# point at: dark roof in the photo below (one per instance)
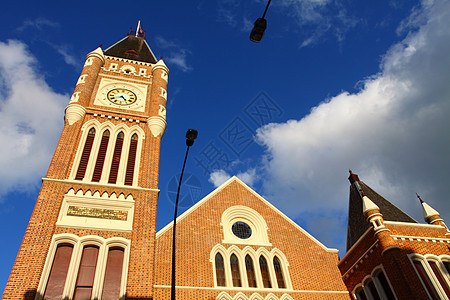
(357, 223)
(134, 48)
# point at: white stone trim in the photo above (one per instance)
(255, 255)
(78, 244)
(74, 112)
(423, 259)
(229, 181)
(107, 84)
(409, 224)
(157, 125)
(82, 79)
(102, 185)
(114, 131)
(360, 260)
(75, 97)
(251, 217)
(160, 286)
(374, 278)
(96, 201)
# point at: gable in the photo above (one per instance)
(234, 192)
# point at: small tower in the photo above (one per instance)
(430, 215)
(96, 210)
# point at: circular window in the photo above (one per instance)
(241, 230)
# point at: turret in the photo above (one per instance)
(430, 215)
(157, 121)
(76, 109)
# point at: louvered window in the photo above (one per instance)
(85, 155)
(250, 271)
(116, 159)
(235, 275)
(264, 272)
(113, 274)
(278, 272)
(131, 160)
(220, 270)
(101, 157)
(86, 273)
(58, 272)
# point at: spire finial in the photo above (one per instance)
(353, 177)
(420, 199)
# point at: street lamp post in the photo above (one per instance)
(259, 27)
(191, 135)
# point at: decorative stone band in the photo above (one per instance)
(157, 125)
(74, 113)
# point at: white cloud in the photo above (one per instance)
(218, 177)
(249, 176)
(30, 119)
(177, 55)
(38, 23)
(393, 132)
(68, 58)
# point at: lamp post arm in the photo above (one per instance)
(267, 6)
(175, 226)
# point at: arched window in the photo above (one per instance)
(131, 160)
(250, 271)
(381, 278)
(116, 158)
(278, 273)
(85, 154)
(113, 274)
(86, 273)
(58, 272)
(220, 270)
(235, 275)
(372, 289)
(101, 157)
(360, 295)
(426, 280)
(437, 272)
(264, 272)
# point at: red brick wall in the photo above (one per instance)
(310, 266)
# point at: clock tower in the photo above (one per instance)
(92, 231)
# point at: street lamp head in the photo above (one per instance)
(191, 135)
(258, 30)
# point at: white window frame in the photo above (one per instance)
(114, 130)
(423, 259)
(78, 245)
(254, 254)
(374, 278)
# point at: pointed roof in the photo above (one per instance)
(134, 48)
(227, 183)
(357, 223)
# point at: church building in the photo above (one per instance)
(92, 234)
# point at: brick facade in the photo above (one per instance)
(309, 269)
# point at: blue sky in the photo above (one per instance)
(334, 85)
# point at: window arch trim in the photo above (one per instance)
(254, 254)
(78, 244)
(373, 277)
(114, 130)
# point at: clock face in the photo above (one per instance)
(121, 96)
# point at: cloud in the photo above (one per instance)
(177, 55)
(28, 144)
(249, 176)
(393, 132)
(218, 177)
(68, 58)
(38, 24)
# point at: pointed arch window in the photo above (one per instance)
(235, 275)
(264, 272)
(113, 274)
(116, 158)
(131, 160)
(426, 280)
(278, 273)
(85, 154)
(101, 156)
(86, 273)
(250, 271)
(220, 270)
(58, 272)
